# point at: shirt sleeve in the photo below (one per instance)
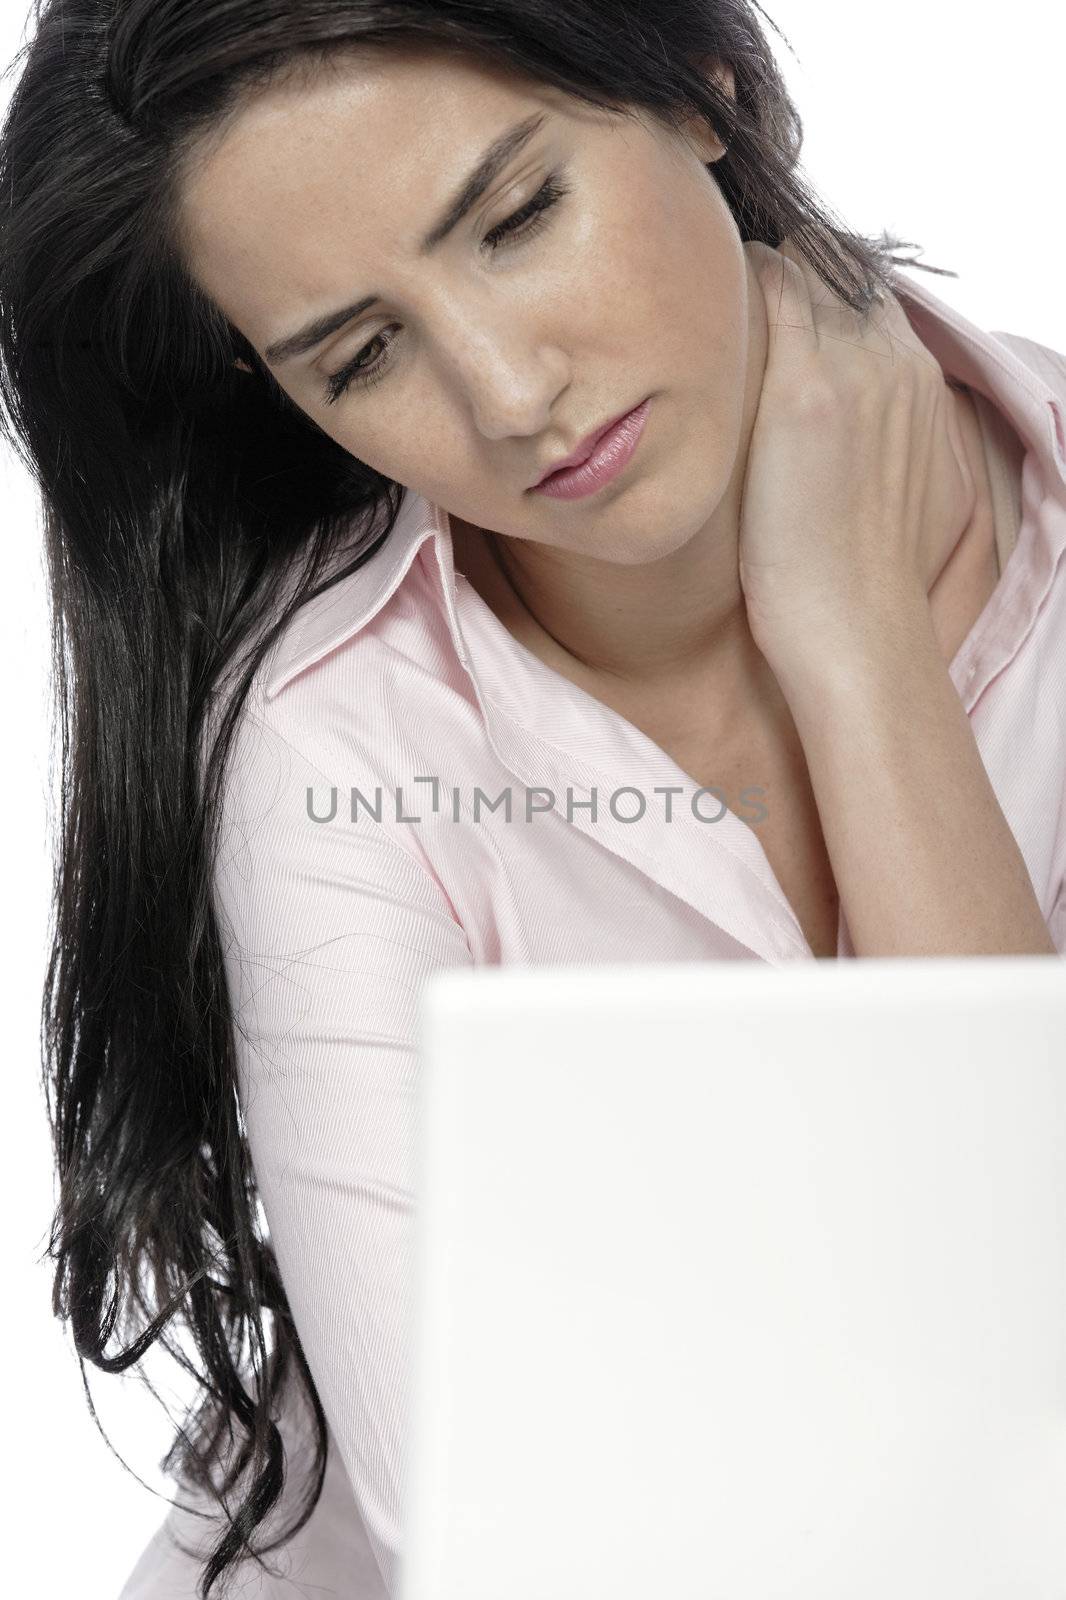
(330, 928)
(330, 1557)
(1057, 923)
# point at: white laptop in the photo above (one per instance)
(741, 1282)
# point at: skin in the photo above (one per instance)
(504, 362)
(637, 283)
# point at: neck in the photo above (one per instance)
(648, 629)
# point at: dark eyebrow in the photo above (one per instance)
(491, 163)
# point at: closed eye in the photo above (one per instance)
(531, 216)
(520, 225)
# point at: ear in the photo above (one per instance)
(243, 364)
(722, 72)
(702, 137)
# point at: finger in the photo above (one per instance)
(786, 292)
(832, 316)
(885, 315)
(891, 319)
(884, 328)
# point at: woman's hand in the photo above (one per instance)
(857, 487)
(857, 491)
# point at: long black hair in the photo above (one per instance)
(189, 509)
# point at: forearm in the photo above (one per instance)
(924, 860)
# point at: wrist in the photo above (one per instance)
(825, 647)
(834, 656)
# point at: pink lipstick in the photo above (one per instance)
(609, 456)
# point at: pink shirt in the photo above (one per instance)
(401, 679)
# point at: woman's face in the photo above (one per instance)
(492, 354)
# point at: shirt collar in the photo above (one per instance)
(1026, 380)
(336, 615)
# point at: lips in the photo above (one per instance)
(583, 450)
(606, 461)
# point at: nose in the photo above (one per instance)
(510, 374)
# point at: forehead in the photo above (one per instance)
(324, 181)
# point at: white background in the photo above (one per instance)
(918, 120)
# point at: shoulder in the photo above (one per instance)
(307, 816)
(1042, 359)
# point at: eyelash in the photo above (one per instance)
(522, 224)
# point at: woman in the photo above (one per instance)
(300, 306)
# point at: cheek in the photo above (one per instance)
(714, 332)
(422, 459)
(403, 435)
(676, 276)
